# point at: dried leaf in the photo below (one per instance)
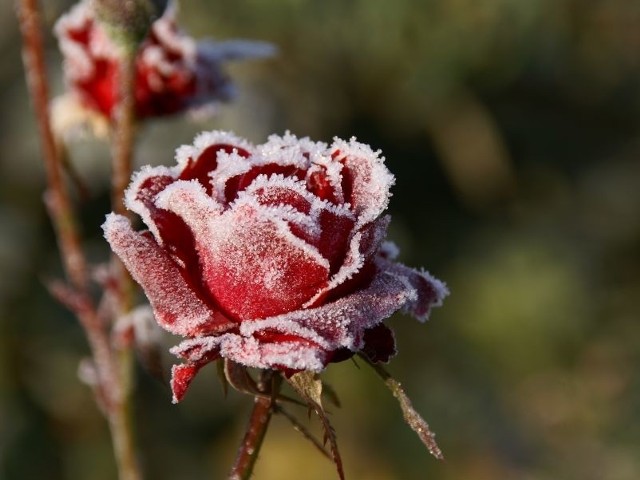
(239, 378)
(222, 377)
(309, 386)
(413, 418)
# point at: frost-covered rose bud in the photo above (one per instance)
(174, 73)
(271, 256)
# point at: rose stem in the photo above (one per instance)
(256, 430)
(122, 154)
(56, 197)
(63, 216)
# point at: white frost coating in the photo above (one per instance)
(196, 349)
(135, 205)
(275, 144)
(252, 353)
(372, 180)
(430, 291)
(188, 200)
(229, 165)
(146, 331)
(441, 291)
(342, 323)
(227, 226)
(284, 325)
(298, 186)
(204, 140)
(77, 63)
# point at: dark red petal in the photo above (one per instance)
(319, 185)
(379, 343)
(200, 168)
(334, 239)
(175, 234)
(181, 378)
(240, 182)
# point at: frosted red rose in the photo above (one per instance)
(271, 256)
(173, 72)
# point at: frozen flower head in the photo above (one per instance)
(272, 256)
(174, 73)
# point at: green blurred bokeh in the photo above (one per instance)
(513, 130)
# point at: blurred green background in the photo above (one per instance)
(513, 130)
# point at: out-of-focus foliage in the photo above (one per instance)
(512, 128)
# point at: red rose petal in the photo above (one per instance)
(379, 343)
(256, 268)
(176, 306)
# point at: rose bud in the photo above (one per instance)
(271, 256)
(174, 73)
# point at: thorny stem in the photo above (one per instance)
(113, 381)
(263, 408)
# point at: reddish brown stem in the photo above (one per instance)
(112, 373)
(253, 437)
(122, 160)
(56, 197)
(124, 134)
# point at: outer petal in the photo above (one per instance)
(279, 352)
(366, 181)
(343, 322)
(176, 306)
(430, 292)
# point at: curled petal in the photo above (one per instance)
(278, 352)
(430, 292)
(365, 179)
(176, 306)
(342, 323)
